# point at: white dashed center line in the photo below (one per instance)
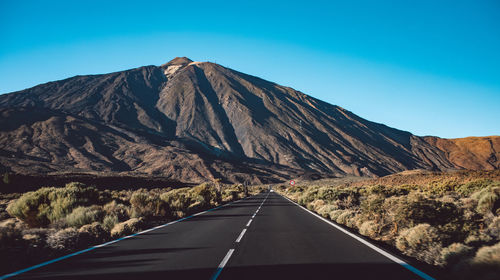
(241, 235)
(222, 264)
(230, 252)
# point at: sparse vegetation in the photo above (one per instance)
(6, 178)
(51, 221)
(449, 220)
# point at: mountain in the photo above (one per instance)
(477, 153)
(193, 121)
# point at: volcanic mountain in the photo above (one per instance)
(196, 121)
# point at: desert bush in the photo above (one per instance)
(128, 227)
(335, 214)
(316, 204)
(471, 187)
(41, 207)
(207, 194)
(387, 191)
(36, 237)
(230, 194)
(327, 193)
(325, 210)
(487, 199)
(369, 228)
(345, 216)
(494, 228)
(120, 211)
(477, 239)
(441, 187)
(309, 195)
(110, 221)
(371, 206)
(84, 215)
(419, 209)
(343, 197)
(9, 233)
(92, 234)
(147, 205)
(63, 240)
(455, 253)
(177, 199)
(422, 242)
(486, 262)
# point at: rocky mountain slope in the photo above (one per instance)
(193, 121)
(476, 153)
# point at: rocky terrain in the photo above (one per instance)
(195, 121)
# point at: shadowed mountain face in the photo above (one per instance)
(194, 121)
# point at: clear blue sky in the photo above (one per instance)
(428, 67)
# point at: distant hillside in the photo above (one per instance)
(477, 153)
(193, 121)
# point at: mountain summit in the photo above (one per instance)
(193, 121)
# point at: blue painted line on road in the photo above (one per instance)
(107, 243)
(45, 263)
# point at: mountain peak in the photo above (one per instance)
(178, 61)
(190, 121)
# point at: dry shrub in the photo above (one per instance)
(335, 214)
(455, 253)
(309, 195)
(487, 199)
(120, 211)
(128, 227)
(148, 205)
(36, 237)
(10, 234)
(207, 194)
(316, 204)
(345, 217)
(177, 199)
(419, 209)
(372, 206)
(486, 262)
(469, 188)
(494, 228)
(63, 240)
(422, 242)
(232, 193)
(84, 215)
(369, 228)
(325, 210)
(476, 239)
(46, 205)
(110, 221)
(92, 234)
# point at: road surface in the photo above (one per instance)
(262, 237)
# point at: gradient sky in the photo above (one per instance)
(428, 67)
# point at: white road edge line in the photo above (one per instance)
(249, 222)
(15, 273)
(222, 264)
(380, 251)
(241, 235)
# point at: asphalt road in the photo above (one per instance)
(262, 237)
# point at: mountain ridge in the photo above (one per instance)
(225, 115)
